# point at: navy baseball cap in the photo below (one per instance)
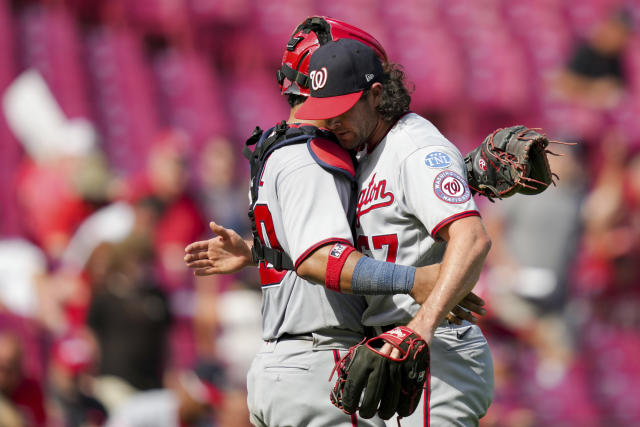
(339, 72)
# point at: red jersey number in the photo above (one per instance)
(267, 233)
(378, 242)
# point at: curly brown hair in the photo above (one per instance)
(396, 98)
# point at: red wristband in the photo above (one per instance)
(337, 257)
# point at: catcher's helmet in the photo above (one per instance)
(293, 75)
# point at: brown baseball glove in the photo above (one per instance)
(509, 161)
(391, 385)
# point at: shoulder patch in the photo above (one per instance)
(437, 160)
(451, 187)
(331, 156)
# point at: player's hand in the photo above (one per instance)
(226, 253)
(473, 303)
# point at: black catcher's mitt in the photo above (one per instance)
(391, 385)
(509, 161)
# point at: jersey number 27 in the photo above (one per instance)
(379, 242)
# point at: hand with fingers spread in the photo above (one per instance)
(224, 254)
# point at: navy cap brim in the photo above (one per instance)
(327, 108)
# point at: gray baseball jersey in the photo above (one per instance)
(297, 192)
(412, 184)
(300, 207)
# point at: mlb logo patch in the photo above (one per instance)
(437, 160)
(336, 250)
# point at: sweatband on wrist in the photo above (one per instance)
(372, 277)
(337, 257)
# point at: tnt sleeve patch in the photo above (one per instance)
(331, 156)
(437, 160)
(451, 187)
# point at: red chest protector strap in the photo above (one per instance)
(332, 157)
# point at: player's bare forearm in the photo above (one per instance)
(424, 281)
(468, 308)
(467, 248)
(314, 267)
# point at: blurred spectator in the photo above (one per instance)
(130, 317)
(22, 265)
(205, 321)
(111, 223)
(24, 393)
(165, 184)
(72, 362)
(188, 400)
(526, 267)
(594, 74)
(507, 408)
(234, 411)
(611, 243)
(222, 198)
(53, 186)
(240, 333)
(51, 207)
(9, 415)
(528, 288)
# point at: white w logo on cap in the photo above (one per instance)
(318, 78)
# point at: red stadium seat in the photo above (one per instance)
(191, 95)
(121, 81)
(51, 44)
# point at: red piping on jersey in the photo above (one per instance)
(308, 252)
(450, 219)
(427, 400)
(372, 147)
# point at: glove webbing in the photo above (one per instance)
(506, 155)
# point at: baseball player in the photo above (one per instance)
(306, 327)
(414, 208)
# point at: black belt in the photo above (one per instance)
(287, 336)
(374, 331)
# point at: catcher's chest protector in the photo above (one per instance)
(323, 147)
